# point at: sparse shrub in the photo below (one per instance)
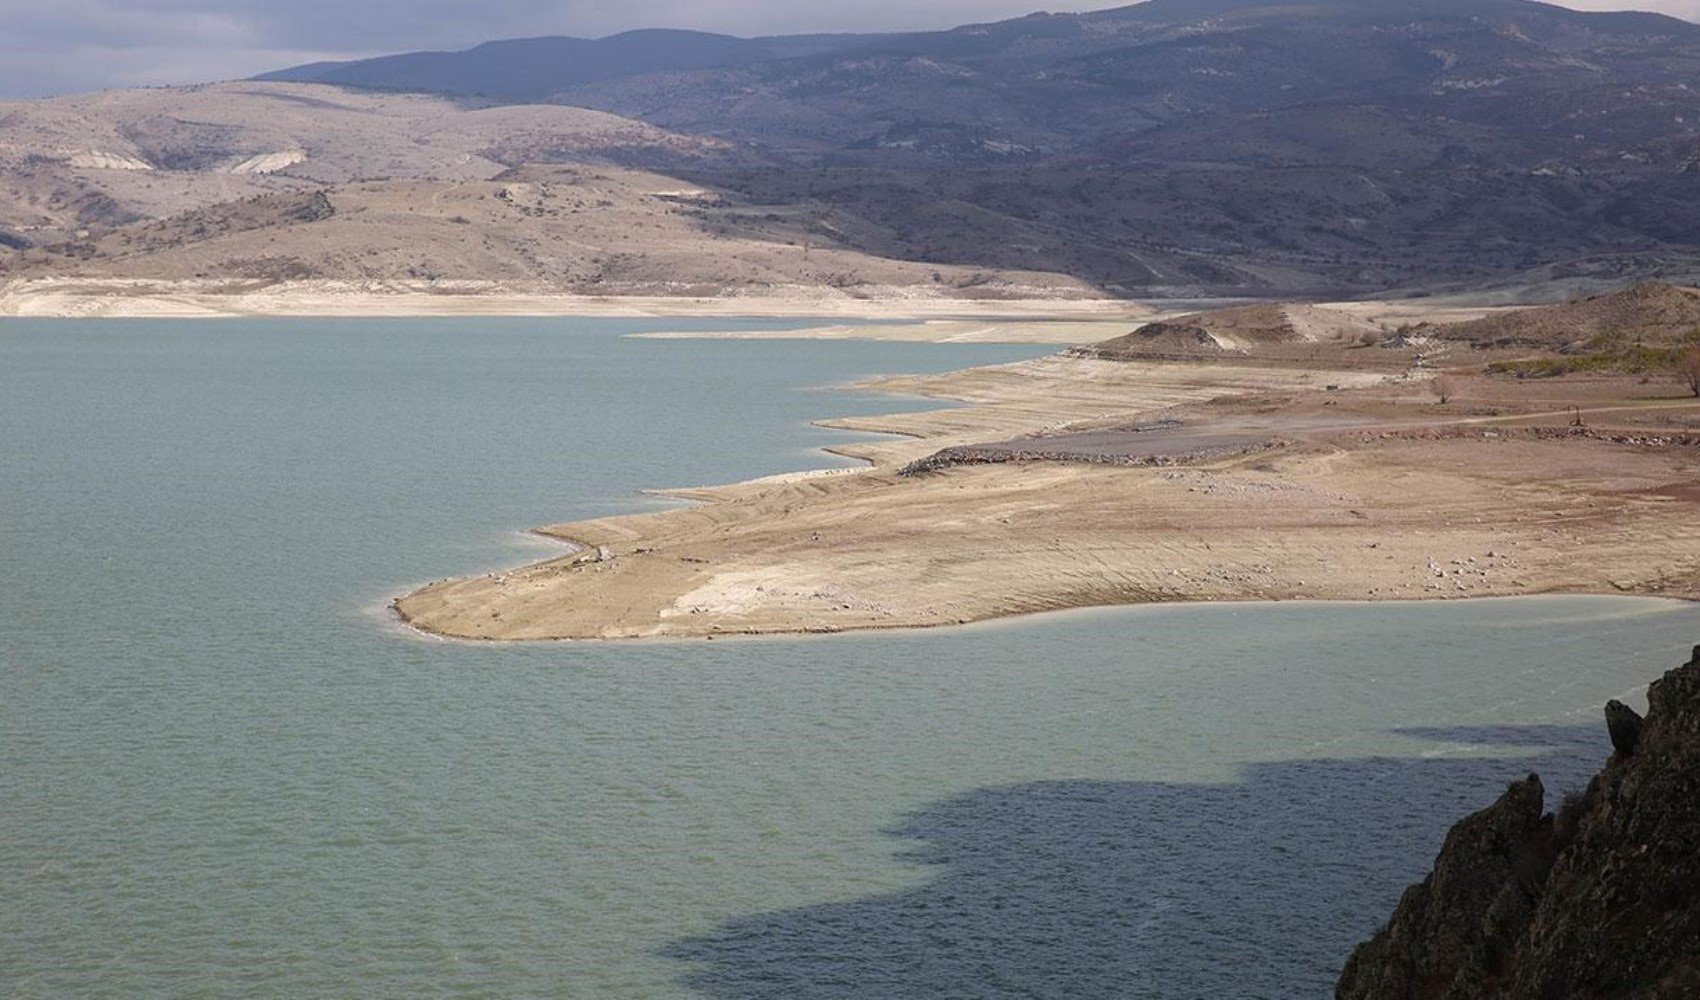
(1688, 368)
(1444, 388)
(1619, 361)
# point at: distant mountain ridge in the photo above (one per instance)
(1248, 82)
(1174, 148)
(533, 69)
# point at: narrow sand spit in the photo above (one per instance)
(990, 330)
(1350, 484)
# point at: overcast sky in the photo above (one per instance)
(60, 46)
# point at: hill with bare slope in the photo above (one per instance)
(1189, 148)
(288, 182)
(96, 161)
(1366, 83)
(1174, 148)
(1237, 330)
(1648, 314)
(584, 230)
(531, 69)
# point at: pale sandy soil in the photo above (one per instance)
(1340, 514)
(1395, 313)
(187, 299)
(1386, 314)
(992, 330)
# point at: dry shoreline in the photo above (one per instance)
(874, 313)
(399, 620)
(1339, 479)
(1436, 506)
(115, 298)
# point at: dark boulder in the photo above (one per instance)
(1624, 724)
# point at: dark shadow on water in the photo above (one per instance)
(1091, 889)
(1554, 739)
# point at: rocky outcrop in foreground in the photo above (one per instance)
(1601, 899)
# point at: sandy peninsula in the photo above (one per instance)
(1314, 471)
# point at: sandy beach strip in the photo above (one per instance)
(189, 299)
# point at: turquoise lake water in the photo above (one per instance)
(225, 772)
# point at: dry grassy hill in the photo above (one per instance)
(1239, 330)
(1648, 314)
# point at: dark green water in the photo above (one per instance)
(223, 772)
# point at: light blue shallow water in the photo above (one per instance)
(224, 773)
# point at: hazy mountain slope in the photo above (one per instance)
(1213, 146)
(1279, 231)
(1516, 82)
(1513, 80)
(534, 68)
(1176, 147)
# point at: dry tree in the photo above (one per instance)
(1444, 388)
(1688, 368)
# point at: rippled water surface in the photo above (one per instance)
(223, 772)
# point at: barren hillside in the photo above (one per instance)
(1238, 330)
(273, 182)
(586, 230)
(1649, 314)
(1368, 83)
(98, 160)
(1170, 149)
(1182, 148)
